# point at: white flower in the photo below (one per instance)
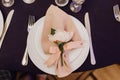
(61, 36)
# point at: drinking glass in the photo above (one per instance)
(7, 3)
(76, 5)
(61, 3)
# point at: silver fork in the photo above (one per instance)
(116, 12)
(31, 21)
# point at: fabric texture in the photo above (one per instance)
(5, 75)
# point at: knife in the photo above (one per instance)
(87, 24)
(1, 24)
(6, 25)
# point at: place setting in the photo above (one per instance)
(59, 54)
(57, 43)
(44, 60)
(38, 37)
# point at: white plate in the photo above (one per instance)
(36, 53)
(1, 23)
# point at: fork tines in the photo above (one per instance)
(31, 20)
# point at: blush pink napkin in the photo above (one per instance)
(65, 69)
(58, 19)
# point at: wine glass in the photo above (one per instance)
(76, 5)
(61, 3)
(7, 3)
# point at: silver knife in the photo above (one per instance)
(1, 24)
(7, 22)
(87, 24)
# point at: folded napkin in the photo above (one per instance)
(65, 34)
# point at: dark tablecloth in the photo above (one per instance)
(105, 33)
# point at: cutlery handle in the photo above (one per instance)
(3, 34)
(25, 58)
(92, 56)
(87, 24)
(6, 26)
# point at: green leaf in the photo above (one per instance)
(52, 31)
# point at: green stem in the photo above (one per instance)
(62, 50)
(61, 59)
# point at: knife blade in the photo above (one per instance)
(1, 24)
(87, 24)
(6, 26)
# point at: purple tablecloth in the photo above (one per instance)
(105, 33)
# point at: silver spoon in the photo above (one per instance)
(7, 3)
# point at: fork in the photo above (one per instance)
(116, 12)
(31, 21)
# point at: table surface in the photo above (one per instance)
(105, 33)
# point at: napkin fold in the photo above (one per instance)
(64, 69)
(59, 20)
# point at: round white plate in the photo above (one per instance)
(38, 57)
(1, 23)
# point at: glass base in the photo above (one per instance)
(7, 4)
(75, 7)
(61, 3)
(29, 1)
